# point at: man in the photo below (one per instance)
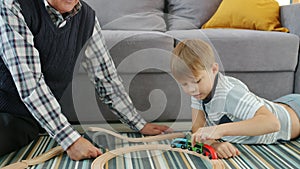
(40, 43)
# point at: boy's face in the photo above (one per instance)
(63, 6)
(201, 86)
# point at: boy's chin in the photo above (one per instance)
(199, 97)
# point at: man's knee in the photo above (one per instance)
(16, 132)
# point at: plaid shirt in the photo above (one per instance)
(22, 59)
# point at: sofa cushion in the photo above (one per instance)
(156, 96)
(136, 51)
(269, 85)
(241, 14)
(190, 14)
(130, 14)
(249, 50)
(133, 51)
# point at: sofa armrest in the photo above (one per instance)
(297, 77)
(289, 16)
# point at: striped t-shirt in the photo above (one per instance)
(231, 101)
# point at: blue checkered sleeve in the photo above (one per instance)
(103, 74)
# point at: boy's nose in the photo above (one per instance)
(192, 88)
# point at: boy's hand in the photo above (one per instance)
(206, 133)
(82, 149)
(225, 149)
(154, 129)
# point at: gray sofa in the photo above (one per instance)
(141, 34)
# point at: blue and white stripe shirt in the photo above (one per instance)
(232, 101)
(22, 59)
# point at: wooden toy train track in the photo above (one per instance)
(100, 161)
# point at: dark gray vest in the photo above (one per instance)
(58, 48)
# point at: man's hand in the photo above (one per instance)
(82, 149)
(154, 129)
(225, 149)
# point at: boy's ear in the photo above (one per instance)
(215, 68)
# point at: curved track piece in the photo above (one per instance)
(100, 161)
(143, 139)
(36, 160)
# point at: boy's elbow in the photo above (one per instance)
(276, 126)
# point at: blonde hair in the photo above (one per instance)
(191, 56)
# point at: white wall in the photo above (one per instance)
(283, 2)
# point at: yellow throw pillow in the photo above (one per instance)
(247, 14)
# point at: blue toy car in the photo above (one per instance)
(180, 143)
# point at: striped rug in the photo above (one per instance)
(284, 155)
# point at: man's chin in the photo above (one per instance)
(68, 6)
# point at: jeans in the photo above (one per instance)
(292, 100)
(16, 132)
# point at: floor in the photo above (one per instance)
(283, 155)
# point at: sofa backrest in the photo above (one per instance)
(189, 14)
(153, 15)
(130, 14)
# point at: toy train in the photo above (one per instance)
(200, 148)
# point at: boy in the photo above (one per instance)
(223, 107)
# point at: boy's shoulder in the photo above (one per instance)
(231, 87)
(230, 82)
